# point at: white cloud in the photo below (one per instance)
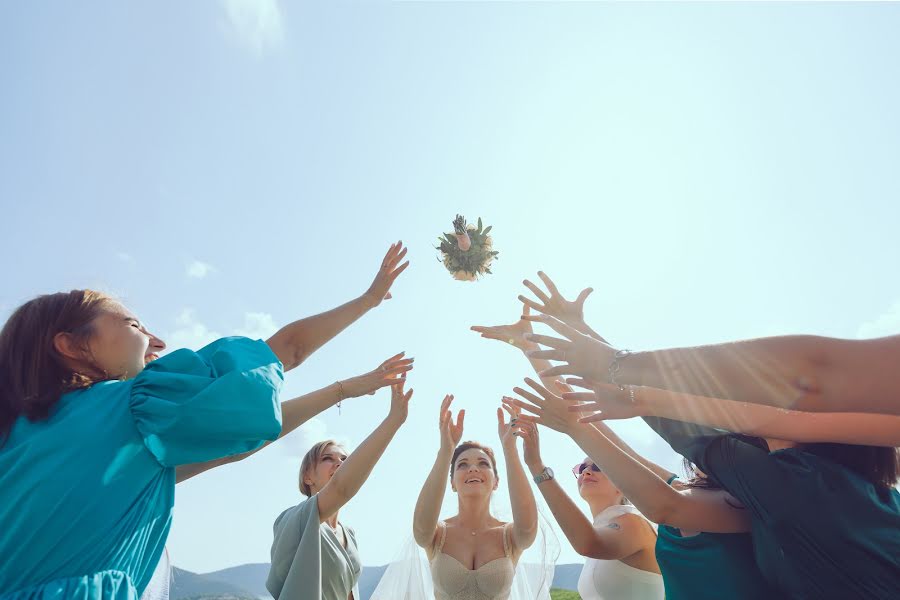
(297, 443)
(190, 332)
(125, 257)
(887, 324)
(257, 326)
(199, 269)
(255, 24)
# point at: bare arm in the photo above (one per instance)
(354, 471)
(294, 343)
(609, 543)
(649, 493)
(806, 372)
(297, 411)
(514, 336)
(865, 429)
(428, 505)
(524, 508)
(800, 371)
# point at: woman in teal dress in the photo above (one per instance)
(91, 437)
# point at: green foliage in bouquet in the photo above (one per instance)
(467, 265)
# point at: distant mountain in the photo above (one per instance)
(248, 582)
(190, 585)
(250, 577)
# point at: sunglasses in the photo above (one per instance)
(578, 469)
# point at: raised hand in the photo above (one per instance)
(506, 431)
(604, 401)
(390, 372)
(531, 443)
(511, 334)
(545, 408)
(399, 402)
(583, 355)
(451, 434)
(555, 305)
(387, 274)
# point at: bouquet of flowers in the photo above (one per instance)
(467, 251)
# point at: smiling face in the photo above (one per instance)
(474, 473)
(118, 347)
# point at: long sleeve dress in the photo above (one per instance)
(86, 496)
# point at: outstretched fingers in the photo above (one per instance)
(539, 388)
(537, 292)
(584, 295)
(531, 304)
(551, 287)
(546, 340)
(557, 326)
(556, 371)
(540, 402)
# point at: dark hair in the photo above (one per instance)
(878, 465)
(470, 445)
(33, 374)
(696, 481)
(693, 480)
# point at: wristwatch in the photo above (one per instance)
(545, 475)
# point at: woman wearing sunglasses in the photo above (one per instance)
(619, 545)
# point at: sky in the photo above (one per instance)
(715, 171)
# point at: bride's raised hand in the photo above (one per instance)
(451, 433)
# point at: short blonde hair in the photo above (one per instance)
(311, 459)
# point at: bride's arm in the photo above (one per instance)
(524, 509)
(428, 506)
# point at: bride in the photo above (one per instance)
(473, 555)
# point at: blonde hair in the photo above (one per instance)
(311, 459)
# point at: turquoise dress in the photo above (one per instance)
(710, 566)
(819, 530)
(87, 494)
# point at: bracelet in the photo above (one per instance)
(615, 367)
(630, 390)
(341, 395)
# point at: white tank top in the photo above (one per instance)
(613, 579)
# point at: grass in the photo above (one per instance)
(564, 595)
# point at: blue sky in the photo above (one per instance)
(714, 171)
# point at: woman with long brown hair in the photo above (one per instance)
(91, 436)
